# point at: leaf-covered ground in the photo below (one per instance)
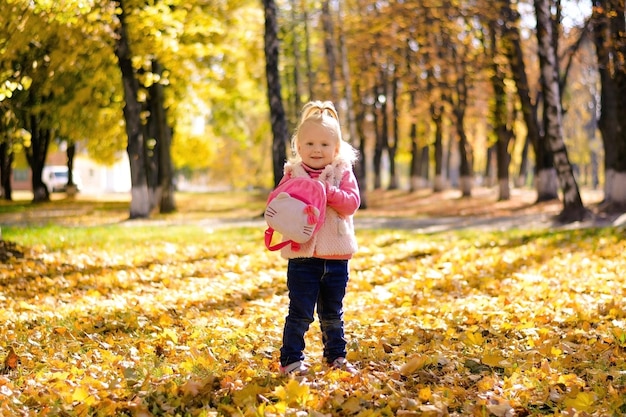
(151, 319)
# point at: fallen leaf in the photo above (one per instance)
(415, 363)
(11, 361)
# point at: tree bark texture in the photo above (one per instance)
(277, 112)
(295, 46)
(504, 134)
(311, 77)
(359, 169)
(465, 151)
(458, 101)
(36, 156)
(380, 126)
(610, 42)
(573, 209)
(165, 166)
(436, 115)
(392, 147)
(70, 187)
(513, 50)
(330, 49)
(140, 198)
(6, 162)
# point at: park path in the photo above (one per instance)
(446, 211)
(424, 212)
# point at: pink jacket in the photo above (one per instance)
(336, 238)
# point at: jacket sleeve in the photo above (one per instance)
(346, 198)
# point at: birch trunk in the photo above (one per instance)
(573, 209)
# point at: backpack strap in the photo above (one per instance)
(269, 233)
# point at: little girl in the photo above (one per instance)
(317, 274)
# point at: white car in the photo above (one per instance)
(55, 178)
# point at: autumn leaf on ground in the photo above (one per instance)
(414, 364)
(187, 320)
(293, 392)
(11, 361)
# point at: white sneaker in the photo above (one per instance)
(343, 364)
(295, 368)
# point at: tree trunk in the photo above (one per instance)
(36, 155)
(491, 166)
(360, 171)
(504, 135)
(353, 137)
(151, 149)
(608, 94)
(609, 39)
(425, 165)
(573, 209)
(465, 154)
(330, 48)
(417, 161)
(513, 48)
(70, 187)
(140, 198)
(311, 78)
(436, 115)
(272, 74)
(546, 181)
(458, 100)
(617, 191)
(378, 111)
(6, 163)
(295, 46)
(465, 151)
(165, 167)
(414, 166)
(522, 176)
(504, 158)
(452, 161)
(392, 146)
(420, 162)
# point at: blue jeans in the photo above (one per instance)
(311, 282)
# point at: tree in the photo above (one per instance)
(350, 118)
(272, 73)
(58, 68)
(500, 110)
(32, 106)
(330, 48)
(512, 45)
(573, 209)
(610, 41)
(162, 132)
(6, 159)
(140, 198)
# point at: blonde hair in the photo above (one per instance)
(325, 114)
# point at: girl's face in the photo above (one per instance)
(318, 145)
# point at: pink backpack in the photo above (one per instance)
(296, 209)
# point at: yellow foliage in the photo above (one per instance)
(582, 402)
(293, 393)
(188, 321)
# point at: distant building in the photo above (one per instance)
(95, 178)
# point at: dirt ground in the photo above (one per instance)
(430, 212)
(422, 210)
